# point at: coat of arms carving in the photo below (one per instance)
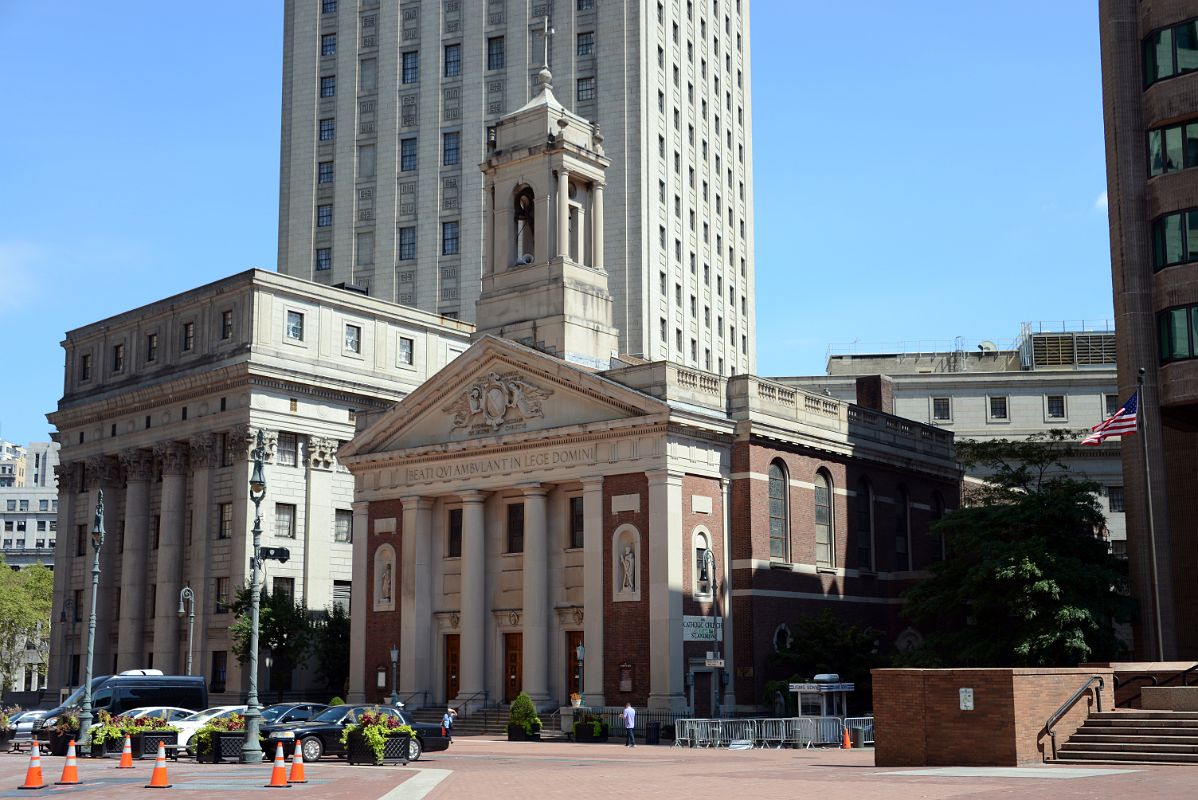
(496, 400)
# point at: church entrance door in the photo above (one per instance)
(513, 662)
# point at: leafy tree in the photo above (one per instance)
(1028, 579)
(284, 628)
(330, 647)
(821, 644)
(25, 604)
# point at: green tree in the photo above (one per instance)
(284, 628)
(1028, 579)
(25, 603)
(330, 648)
(821, 644)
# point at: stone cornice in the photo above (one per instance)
(89, 411)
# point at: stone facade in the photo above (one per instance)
(160, 408)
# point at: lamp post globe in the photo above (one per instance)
(251, 751)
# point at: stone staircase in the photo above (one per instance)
(491, 722)
(1136, 737)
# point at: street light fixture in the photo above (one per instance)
(394, 665)
(85, 716)
(188, 595)
(580, 653)
(251, 751)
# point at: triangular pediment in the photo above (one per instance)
(498, 388)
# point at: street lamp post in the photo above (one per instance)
(580, 653)
(190, 597)
(251, 751)
(85, 716)
(707, 574)
(394, 665)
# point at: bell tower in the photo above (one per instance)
(544, 282)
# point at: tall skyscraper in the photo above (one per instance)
(389, 109)
(1150, 107)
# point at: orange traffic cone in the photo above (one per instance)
(33, 775)
(297, 766)
(70, 770)
(278, 775)
(158, 779)
(847, 744)
(126, 755)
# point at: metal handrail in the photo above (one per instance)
(1155, 682)
(1068, 704)
(465, 702)
(404, 699)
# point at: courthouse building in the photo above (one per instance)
(540, 493)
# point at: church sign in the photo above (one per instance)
(499, 465)
(702, 629)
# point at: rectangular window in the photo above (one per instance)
(449, 238)
(285, 520)
(586, 89)
(343, 526)
(353, 338)
(328, 44)
(287, 451)
(998, 408)
(328, 6)
(324, 258)
(586, 43)
(406, 349)
(1115, 498)
(85, 367)
(295, 326)
(324, 172)
(342, 591)
(407, 244)
(328, 129)
(328, 85)
(576, 522)
(411, 67)
(220, 658)
(941, 408)
(225, 531)
(1110, 404)
(226, 324)
(495, 53)
(324, 216)
(1055, 403)
(453, 534)
(451, 149)
(223, 596)
(407, 155)
(586, 5)
(283, 586)
(118, 357)
(189, 335)
(515, 528)
(453, 60)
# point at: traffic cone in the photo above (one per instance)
(847, 744)
(33, 775)
(297, 765)
(158, 779)
(70, 770)
(126, 755)
(278, 775)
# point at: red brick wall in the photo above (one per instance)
(918, 720)
(382, 627)
(626, 625)
(714, 523)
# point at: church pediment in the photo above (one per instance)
(497, 388)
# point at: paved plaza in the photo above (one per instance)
(489, 769)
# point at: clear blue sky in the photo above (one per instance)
(924, 170)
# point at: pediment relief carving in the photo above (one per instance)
(496, 401)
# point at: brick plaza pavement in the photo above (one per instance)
(480, 768)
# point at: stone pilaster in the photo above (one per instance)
(205, 521)
(474, 599)
(666, 664)
(535, 613)
(358, 610)
(320, 457)
(592, 590)
(416, 599)
(63, 643)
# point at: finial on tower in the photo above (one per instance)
(545, 76)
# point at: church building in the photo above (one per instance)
(548, 516)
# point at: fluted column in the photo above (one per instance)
(205, 524)
(597, 226)
(474, 596)
(173, 457)
(563, 215)
(357, 605)
(535, 613)
(666, 664)
(416, 598)
(592, 590)
(139, 471)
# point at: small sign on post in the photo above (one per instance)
(714, 662)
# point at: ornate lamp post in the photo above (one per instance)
(190, 597)
(394, 665)
(251, 751)
(580, 653)
(707, 575)
(85, 716)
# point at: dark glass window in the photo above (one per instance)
(586, 43)
(586, 89)
(328, 129)
(328, 6)
(453, 60)
(407, 244)
(1115, 496)
(451, 149)
(998, 408)
(1176, 328)
(576, 522)
(453, 539)
(865, 525)
(1170, 51)
(1056, 406)
(779, 513)
(328, 44)
(495, 53)
(449, 238)
(902, 532)
(1172, 148)
(824, 544)
(85, 367)
(324, 258)
(328, 86)
(411, 67)
(407, 155)
(324, 173)
(941, 408)
(226, 324)
(515, 528)
(324, 216)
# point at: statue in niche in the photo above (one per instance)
(385, 584)
(525, 226)
(628, 568)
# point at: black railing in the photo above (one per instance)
(1068, 704)
(1184, 676)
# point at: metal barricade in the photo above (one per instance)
(771, 733)
(828, 730)
(865, 724)
(800, 731)
(683, 733)
(738, 730)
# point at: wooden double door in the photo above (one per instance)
(453, 666)
(513, 666)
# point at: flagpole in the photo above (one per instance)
(1156, 591)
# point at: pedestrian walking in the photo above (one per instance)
(447, 723)
(629, 724)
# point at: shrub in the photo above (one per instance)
(593, 722)
(336, 701)
(374, 728)
(201, 742)
(117, 728)
(524, 714)
(6, 715)
(66, 722)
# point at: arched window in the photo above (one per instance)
(779, 513)
(525, 218)
(938, 548)
(825, 550)
(865, 525)
(703, 578)
(902, 531)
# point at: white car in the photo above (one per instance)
(170, 712)
(189, 725)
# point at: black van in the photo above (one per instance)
(117, 694)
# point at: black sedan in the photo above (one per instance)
(321, 735)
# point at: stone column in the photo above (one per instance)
(357, 606)
(473, 624)
(139, 471)
(491, 256)
(319, 459)
(101, 472)
(666, 664)
(63, 643)
(563, 216)
(173, 456)
(597, 227)
(205, 527)
(535, 613)
(592, 590)
(416, 600)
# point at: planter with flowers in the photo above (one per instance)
(145, 733)
(59, 735)
(7, 729)
(523, 724)
(575, 700)
(219, 739)
(377, 739)
(590, 729)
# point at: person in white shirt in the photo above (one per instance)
(629, 723)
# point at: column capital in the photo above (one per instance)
(138, 464)
(321, 452)
(173, 456)
(415, 502)
(660, 476)
(101, 471)
(533, 489)
(205, 450)
(243, 438)
(592, 483)
(472, 496)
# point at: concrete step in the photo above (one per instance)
(1142, 714)
(1086, 736)
(1142, 722)
(1144, 747)
(1129, 756)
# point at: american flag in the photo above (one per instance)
(1121, 423)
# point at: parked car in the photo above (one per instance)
(24, 724)
(189, 725)
(117, 694)
(290, 712)
(171, 713)
(321, 735)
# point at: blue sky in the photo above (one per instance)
(924, 170)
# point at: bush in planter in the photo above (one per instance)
(592, 728)
(336, 701)
(201, 741)
(524, 715)
(374, 728)
(114, 729)
(66, 723)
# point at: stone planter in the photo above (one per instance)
(57, 743)
(145, 745)
(5, 740)
(395, 749)
(576, 703)
(515, 733)
(226, 748)
(585, 732)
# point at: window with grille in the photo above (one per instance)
(328, 44)
(223, 596)
(779, 509)
(998, 408)
(1056, 406)
(407, 155)
(942, 408)
(576, 522)
(586, 43)
(324, 172)
(515, 528)
(328, 85)
(407, 244)
(495, 53)
(411, 67)
(586, 89)
(287, 453)
(328, 129)
(343, 526)
(449, 238)
(225, 529)
(451, 149)
(453, 534)
(453, 60)
(285, 520)
(824, 544)
(324, 258)
(1115, 498)
(324, 216)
